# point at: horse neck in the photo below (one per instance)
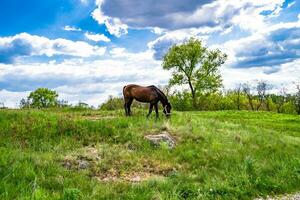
(163, 99)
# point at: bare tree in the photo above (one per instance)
(247, 91)
(261, 89)
(297, 98)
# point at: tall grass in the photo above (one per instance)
(219, 155)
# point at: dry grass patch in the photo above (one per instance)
(113, 163)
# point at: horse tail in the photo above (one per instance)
(124, 89)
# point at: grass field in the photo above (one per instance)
(219, 155)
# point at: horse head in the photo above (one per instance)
(167, 109)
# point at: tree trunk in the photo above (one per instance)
(193, 94)
(250, 102)
(238, 100)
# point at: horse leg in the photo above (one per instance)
(125, 107)
(156, 109)
(128, 106)
(150, 109)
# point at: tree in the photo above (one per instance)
(42, 98)
(261, 88)
(193, 64)
(24, 103)
(238, 92)
(247, 91)
(62, 103)
(2, 106)
(280, 99)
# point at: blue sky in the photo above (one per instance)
(89, 49)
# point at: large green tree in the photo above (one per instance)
(42, 98)
(194, 64)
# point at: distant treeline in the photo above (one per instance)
(244, 97)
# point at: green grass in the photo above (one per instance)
(219, 155)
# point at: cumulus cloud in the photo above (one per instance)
(113, 24)
(273, 46)
(161, 45)
(11, 99)
(217, 17)
(24, 44)
(96, 37)
(268, 47)
(118, 15)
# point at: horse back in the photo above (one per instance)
(140, 93)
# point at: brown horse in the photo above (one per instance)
(149, 94)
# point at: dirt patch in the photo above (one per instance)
(282, 197)
(82, 159)
(134, 177)
(106, 163)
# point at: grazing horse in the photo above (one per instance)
(149, 94)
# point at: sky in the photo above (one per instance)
(87, 50)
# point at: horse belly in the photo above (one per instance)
(143, 100)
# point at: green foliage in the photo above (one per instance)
(41, 98)
(235, 100)
(193, 64)
(181, 101)
(72, 194)
(113, 103)
(219, 155)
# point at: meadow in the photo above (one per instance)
(91, 154)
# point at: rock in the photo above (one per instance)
(163, 137)
(83, 164)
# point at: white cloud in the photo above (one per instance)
(268, 47)
(11, 99)
(71, 28)
(113, 25)
(118, 15)
(96, 37)
(161, 45)
(158, 31)
(291, 4)
(85, 2)
(25, 44)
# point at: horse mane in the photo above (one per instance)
(161, 93)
